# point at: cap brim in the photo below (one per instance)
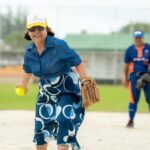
(36, 24)
(138, 36)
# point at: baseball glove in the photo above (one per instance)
(141, 82)
(89, 92)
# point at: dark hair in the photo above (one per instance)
(49, 32)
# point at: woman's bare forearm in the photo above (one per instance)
(81, 70)
(25, 78)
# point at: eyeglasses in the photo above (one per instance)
(33, 29)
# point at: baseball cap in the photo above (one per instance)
(138, 33)
(36, 20)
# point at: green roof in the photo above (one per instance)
(101, 41)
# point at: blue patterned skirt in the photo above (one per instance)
(59, 111)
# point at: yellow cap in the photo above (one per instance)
(36, 20)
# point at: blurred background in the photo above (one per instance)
(99, 31)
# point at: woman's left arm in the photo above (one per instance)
(73, 59)
(81, 70)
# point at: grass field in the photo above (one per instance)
(114, 99)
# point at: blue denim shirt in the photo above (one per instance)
(56, 59)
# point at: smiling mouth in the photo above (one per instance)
(37, 36)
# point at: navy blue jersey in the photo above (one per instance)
(138, 58)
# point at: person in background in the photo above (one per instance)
(137, 63)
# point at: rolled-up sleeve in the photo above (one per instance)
(26, 63)
(69, 55)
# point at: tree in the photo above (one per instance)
(12, 28)
(16, 40)
(135, 26)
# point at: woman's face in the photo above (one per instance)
(37, 34)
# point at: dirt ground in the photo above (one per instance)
(100, 131)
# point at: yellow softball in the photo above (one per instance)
(20, 91)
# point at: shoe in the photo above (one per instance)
(130, 124)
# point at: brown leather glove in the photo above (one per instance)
(89, 92)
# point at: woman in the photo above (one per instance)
(59, 111)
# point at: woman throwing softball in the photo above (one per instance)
(59, 111)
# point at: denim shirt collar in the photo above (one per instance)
(48, 44)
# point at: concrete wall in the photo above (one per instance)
(103, 65)
(10, 58)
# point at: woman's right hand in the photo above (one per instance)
(24, 81)
(25, 87)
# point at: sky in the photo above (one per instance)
(94, 16)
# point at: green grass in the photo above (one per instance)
(116, 99)
(113, 99)
(9, 99)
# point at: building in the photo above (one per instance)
(102, 54)
(9, 56)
